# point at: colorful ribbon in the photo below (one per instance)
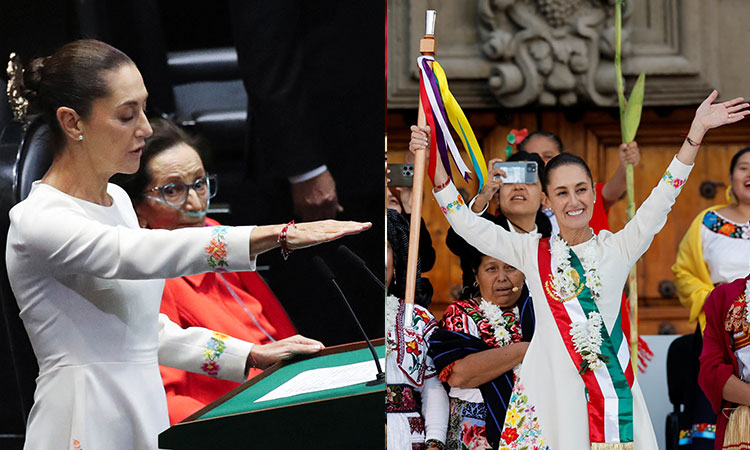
(438, 112)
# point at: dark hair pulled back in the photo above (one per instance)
(72, 77)
(736, 158)
(564, 159)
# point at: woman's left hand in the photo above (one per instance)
(308, 234)
(710, 115)
(267, 355)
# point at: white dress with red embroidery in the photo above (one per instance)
(88, 282)
(549, 393)
(407, 363)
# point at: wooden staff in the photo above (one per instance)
(426, 48)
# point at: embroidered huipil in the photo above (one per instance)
(548, 377)
(88, 282)
(408, 365)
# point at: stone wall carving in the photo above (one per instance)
(550, 52)
(529, 53)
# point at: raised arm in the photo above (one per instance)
(63, 238)
(635, 238)
(481, 233)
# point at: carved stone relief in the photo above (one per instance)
(526, 53)
(550, 52)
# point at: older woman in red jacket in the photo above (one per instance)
(725, 360)
(172, 190)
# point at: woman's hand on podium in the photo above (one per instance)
(266, 355)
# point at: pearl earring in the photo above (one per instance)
(80, 137)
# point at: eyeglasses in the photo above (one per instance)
(176, 194)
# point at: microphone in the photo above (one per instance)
(327, 274)
(354, 259)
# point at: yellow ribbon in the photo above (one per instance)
(461, 124)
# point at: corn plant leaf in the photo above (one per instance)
(632, 117)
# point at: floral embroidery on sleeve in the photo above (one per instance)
(214, 348)
(453, 206)
(672, 181)
(216, 251)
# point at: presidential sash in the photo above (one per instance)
(608, 388)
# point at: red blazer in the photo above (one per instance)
(203, 300)
(718, 362)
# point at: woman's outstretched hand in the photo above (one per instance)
(267, 355)
(712, 115)
(307, 234)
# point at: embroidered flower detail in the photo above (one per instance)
(474, 436)
(720, 225)
(411, 347)
(211, 368)
(216, 251)
(587, 340)
(672, 181)
(77, 444)
(521, 429)
(214, 348)
(453, 206)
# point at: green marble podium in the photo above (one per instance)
(346, 417)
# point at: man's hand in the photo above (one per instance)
(316, 199)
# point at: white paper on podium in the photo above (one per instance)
(327, 378)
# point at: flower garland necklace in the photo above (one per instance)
(494, 315)
(587, 340)
(564, 281)
(747, 301)
(391, 313)
(586, 335)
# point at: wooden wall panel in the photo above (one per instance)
(595, 136)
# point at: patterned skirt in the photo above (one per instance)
(405, 425)
(466, 426)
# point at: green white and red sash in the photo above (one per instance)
(608, 388)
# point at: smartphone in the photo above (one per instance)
(518, 172)
(401, 175)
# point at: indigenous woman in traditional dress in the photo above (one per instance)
(409, 371)
(88, 280)
(713, 252)
(479, 348)
(725, 362)
(576, 388)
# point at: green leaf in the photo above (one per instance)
(511, 138)
(632, 116)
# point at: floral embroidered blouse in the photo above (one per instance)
(88, 281)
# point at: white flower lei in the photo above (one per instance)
(563, 272)
(587, 340)
(747, 301)
(391, 311)
(494, 315)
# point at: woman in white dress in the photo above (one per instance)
(88, 280)
(576, 388)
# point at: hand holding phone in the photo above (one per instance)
(518, 172)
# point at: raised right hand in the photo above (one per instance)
(307, 234)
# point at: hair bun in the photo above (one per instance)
(32, 78)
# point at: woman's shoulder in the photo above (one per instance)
(43, 200)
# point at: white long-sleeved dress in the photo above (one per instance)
(548, 376)
(89, 282)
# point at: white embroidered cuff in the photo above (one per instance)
(677, 173)
(449, 199)
(234, 360)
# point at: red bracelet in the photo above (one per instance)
(438, 188)
(252, 358)
(692, 142)
(285, 250)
